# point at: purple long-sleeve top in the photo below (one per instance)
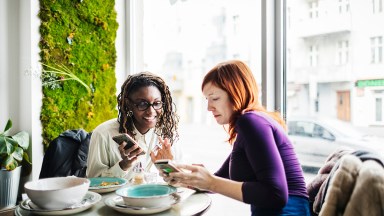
(264, 159)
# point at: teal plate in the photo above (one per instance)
(146, 191)
(112, 184)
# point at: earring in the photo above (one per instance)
(130, 113)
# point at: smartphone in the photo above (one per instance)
(128, 139)
(166, 166)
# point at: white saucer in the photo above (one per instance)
(26, 206)
(95, 184)
(112, 202)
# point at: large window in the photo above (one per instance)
(182, 40)
(333, 60)
(343, 80)
(341, 52)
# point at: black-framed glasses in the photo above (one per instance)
(144, 105)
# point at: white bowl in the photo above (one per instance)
(57, 192)
(148, 195)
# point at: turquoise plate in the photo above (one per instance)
(112, 184)
(149, 195)
(146, 190)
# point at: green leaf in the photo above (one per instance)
(8, 126)
(10, 163)
(10, 145)
(26, 158)
(18, 154)
(3, 146)
(22, 138)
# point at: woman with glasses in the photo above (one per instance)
(147, 114)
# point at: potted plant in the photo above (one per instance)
(12, 154)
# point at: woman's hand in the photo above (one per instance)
(128, 155)
(198, 177)
(162, 151)
(169, 180)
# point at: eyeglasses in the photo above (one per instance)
(144, 105)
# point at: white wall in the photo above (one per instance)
(9, 90)
(20, 86)
(32, 38)
(121, 44)
(4, 111)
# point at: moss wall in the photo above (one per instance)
(79, 35)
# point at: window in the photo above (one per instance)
(343, 6)
(379, 109)
(377, 49)
(313, 55)
(343, 52)
(377, 6)
(313, 9)
(325, 57)
(335, 67)
(182, 40)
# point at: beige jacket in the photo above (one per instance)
(356, 189)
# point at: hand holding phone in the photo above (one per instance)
(166, 166)
(128, 139)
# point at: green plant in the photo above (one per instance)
(13, 148)
(78, 40)
(62, 74)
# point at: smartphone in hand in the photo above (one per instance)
(166, 166)
(128, 139)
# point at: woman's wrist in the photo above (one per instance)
(213, 183)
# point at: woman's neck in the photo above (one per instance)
(141, 130)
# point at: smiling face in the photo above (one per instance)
(218, 103)
(146, 119)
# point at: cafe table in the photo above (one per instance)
(190, 204)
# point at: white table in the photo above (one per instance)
(195, 204)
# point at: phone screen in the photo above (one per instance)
(168, 169)
(166, 166)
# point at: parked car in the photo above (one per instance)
(315, 139)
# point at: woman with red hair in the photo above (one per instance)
(262, 169)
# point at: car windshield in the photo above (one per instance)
(344, 129)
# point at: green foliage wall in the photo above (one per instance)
(78, 35)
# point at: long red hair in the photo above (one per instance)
(236, 78)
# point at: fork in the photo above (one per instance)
(85, 200)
